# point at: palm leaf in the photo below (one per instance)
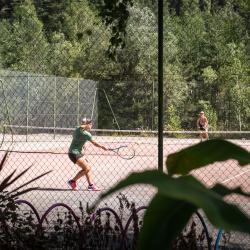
(4, 183)
(23, 192)
(17, 177)
(25, 184)
(3, 160)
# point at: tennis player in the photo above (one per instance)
(80, 137)
(202, 126)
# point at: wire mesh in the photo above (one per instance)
(36, 100)
(47, 149)
(54, 70)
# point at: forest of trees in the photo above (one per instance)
(206, 57)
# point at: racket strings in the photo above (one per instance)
(126, 152)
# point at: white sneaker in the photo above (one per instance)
(93, 187)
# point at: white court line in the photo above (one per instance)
(236, 176)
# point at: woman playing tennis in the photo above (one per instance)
(80, 137)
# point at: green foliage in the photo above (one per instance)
(206, 54)
(82, 38)
(156, 230)
(51, 14)
(236, 88)
(22, 41)
(15, 229)
(133, 98)
(178, 198)
(173, 120)
(115, 14)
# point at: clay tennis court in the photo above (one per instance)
(44, 152)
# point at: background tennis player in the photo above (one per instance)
(202, 126)
(80, 137)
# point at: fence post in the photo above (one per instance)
(160, 85)
(54, 116)
(27, 107)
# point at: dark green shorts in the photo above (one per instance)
(74, 157)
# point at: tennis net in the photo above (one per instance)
(57, 140)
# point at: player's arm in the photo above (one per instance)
(206, 122)
(98, 144)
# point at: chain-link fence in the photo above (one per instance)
(46, 101)
(54, 71)
(45, 149)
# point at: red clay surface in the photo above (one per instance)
(108, 168)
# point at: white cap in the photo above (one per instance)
(86, 121)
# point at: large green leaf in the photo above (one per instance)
(165, 218)
(187, 188)
(205, 153)
(223, 190)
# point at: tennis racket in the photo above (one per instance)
(125, 152)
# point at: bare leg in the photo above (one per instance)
(201, 136)
(86, 170)
(205, 135)
(79, 175)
